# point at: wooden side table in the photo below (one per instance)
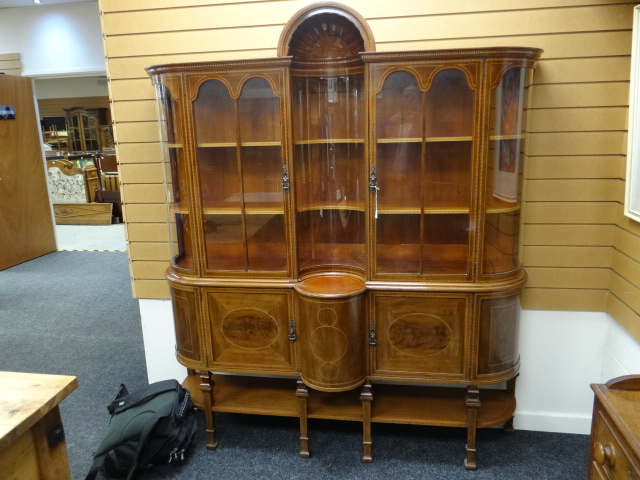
(32, 442)
(614, 452)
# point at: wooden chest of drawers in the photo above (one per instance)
(614, 452)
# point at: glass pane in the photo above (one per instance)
(504, 174)
(330, 237)
(224, 240)
(399, 153)
(398, 243)
(214, 115)
(399, 108)
(266, 242)
(261, 159)
(449, 106)
(259, 113)
(446, 181)
(220, 182)
(176, 181)
(445, 247)
(330, 177)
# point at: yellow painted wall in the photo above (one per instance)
(580, 251)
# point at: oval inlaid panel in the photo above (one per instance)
(327, 316)
(329, 371)
(249, 328)
(329, 344)
(419, 334)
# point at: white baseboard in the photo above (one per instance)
(552, 422)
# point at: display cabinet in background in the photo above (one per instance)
(84, 129)
(345, 229)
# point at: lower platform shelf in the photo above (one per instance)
(391, 403)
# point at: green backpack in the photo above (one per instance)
(149, 427)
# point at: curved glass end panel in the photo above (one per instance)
(330, 177)
(504, 173)
(176, 181)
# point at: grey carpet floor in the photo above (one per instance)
(72, 313)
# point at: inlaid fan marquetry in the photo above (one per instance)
(327, 36)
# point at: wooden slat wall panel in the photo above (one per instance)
(581, 300)
(10, 64)
(580, 251)
(570, 213)
(158, 289)
(591, 166)
(555, 45)
(567, 256)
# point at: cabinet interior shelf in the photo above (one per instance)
(447, 139)
(428, 139)
(329, 141)
(417, 405)
(359, 208)
(248, 211)
(346, 206)
(274, 143)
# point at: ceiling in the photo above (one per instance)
(29, 3)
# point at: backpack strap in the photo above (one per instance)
(95, 467)
(121, 393)
(122, 403)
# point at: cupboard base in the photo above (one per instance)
(469, 408)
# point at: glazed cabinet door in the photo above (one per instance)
(419, 336)
(248, 330)
(422, 177)
(240, 157)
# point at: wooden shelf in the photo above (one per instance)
(329, 141)
(493, 207)
(428, 139)
(359, 207)
(262, 210)
(406, 404)
(438, 406)
(275, 143)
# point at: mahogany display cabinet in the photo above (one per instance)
(345, 229)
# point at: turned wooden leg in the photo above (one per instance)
(511, 389)
(473, 404)
(366, 397)
(302, 393)
(206, 385)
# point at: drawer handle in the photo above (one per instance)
(604, 453)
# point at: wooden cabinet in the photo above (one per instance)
(344, 219)
(614, 451)
(84, 129)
